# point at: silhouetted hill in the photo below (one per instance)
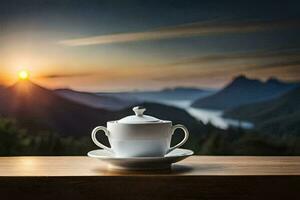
(96, 101)
(173, 94)
(244, 91)
(38, 108)
(277, 116)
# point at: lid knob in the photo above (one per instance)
(139, 110)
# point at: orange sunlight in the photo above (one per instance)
(23, 75)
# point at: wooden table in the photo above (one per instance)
(198, 177)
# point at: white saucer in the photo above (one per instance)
(141, 163)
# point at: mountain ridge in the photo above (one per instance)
(28, 102)
(242, 90)
(38, 108)
(167, 94)
(112, 103)
(279, 115)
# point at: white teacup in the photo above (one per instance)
(139, 136)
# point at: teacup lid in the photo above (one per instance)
(139, 117)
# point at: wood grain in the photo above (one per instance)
(198, 177)
(193, 166)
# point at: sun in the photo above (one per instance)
(23, 75)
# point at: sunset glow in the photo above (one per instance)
(23, 75)
(63, 46)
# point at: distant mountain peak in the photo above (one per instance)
(273, 80)
(243, 80)
(240, 77)
(243, 90)
(174, 89)
(26, 85)
(24, 82)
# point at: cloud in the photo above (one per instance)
(259, 63)
(281, 64)
(266, 55)
(185, 30)
(70, 75)
(286, 69)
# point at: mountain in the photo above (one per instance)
(276, 116)
(243, 90)
(168, 94)
(96, 101)
(39, 109)
(36, 107)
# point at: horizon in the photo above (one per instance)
(21, 80)
(125, 46)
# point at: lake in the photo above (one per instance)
(207, 115)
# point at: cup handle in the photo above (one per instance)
(94, 132)
(186, 136)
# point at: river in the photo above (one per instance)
(208, 116)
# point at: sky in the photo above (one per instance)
(110, 45)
